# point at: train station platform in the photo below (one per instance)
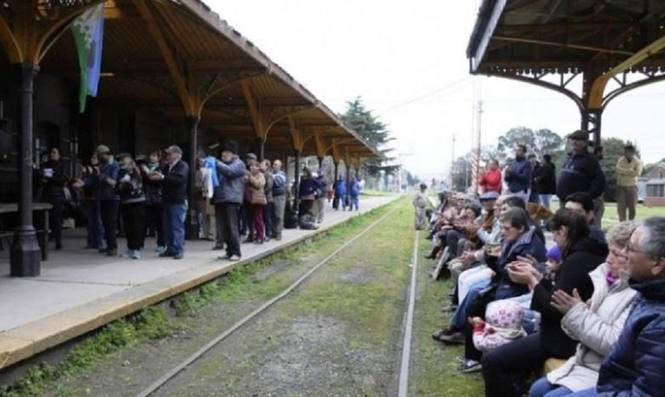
(80, 290)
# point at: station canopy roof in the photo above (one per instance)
(176, 55)
(567, 36)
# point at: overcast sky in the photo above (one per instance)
(406, 59)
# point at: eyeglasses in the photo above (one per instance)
(630, 249)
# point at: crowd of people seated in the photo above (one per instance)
(551, 306)
(148, 196)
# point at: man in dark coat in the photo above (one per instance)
(174, 177)
(581, 171)
(636, 366)
(518, 175)
(545, 180)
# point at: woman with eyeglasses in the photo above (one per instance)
(597, 325)
(506, 368)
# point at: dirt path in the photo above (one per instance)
(337, 335)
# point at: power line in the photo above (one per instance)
(426, 95)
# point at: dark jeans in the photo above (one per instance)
(94, 227)
(55, 217)
(244, 219)
(268, 213)
(133, 217)
(154, 222)
(109, 210)
(173, 222)
(507, 366)
(230, 213)
(256, 225)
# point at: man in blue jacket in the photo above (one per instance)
(109, 201)
(636, 366)
(232, 172)
(518, 175)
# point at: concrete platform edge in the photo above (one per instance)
(38, 336)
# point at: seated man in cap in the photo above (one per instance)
(174, 177)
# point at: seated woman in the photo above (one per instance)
(596, 326)
(518, 240)
(508, 365)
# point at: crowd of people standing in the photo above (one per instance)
(141, 197)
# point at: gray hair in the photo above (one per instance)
(653, 239)
(620, 234)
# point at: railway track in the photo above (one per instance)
(191, 360)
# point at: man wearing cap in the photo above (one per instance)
(174, 177)
(109, 200)
(518, 174)
(628, 169)
(232, 173)
(581, 171)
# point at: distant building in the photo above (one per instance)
(655, 186)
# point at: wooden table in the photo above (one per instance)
(42, 235)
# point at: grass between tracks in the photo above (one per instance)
(160, 321)
(434, 365)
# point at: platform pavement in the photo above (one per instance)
(80, 290)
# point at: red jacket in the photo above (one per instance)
(490, 181)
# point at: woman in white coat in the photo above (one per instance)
(596, 324)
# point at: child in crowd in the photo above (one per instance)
(553, 262)
(503, 325)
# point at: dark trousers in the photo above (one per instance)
(109, 209)
(55, 217)
(305, 208)
(256, 225)
(268, 213)
(507, 366)
(133, 217)
(154, 222)
(94, 227)
(219, 224)
(230, 213)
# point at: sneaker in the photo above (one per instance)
(218, 247)
(136, 254)
(166, 254)
(444, 332)
(278, 238)
(111, 252)
(160, 249)
(469, 366)
(127, 254)
(179, 255)
(234, 258)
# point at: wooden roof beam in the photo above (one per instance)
(596, 94)
(173, 64)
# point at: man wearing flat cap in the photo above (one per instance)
(581, 171)
(174, 177)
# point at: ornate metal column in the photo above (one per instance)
(25, 254)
